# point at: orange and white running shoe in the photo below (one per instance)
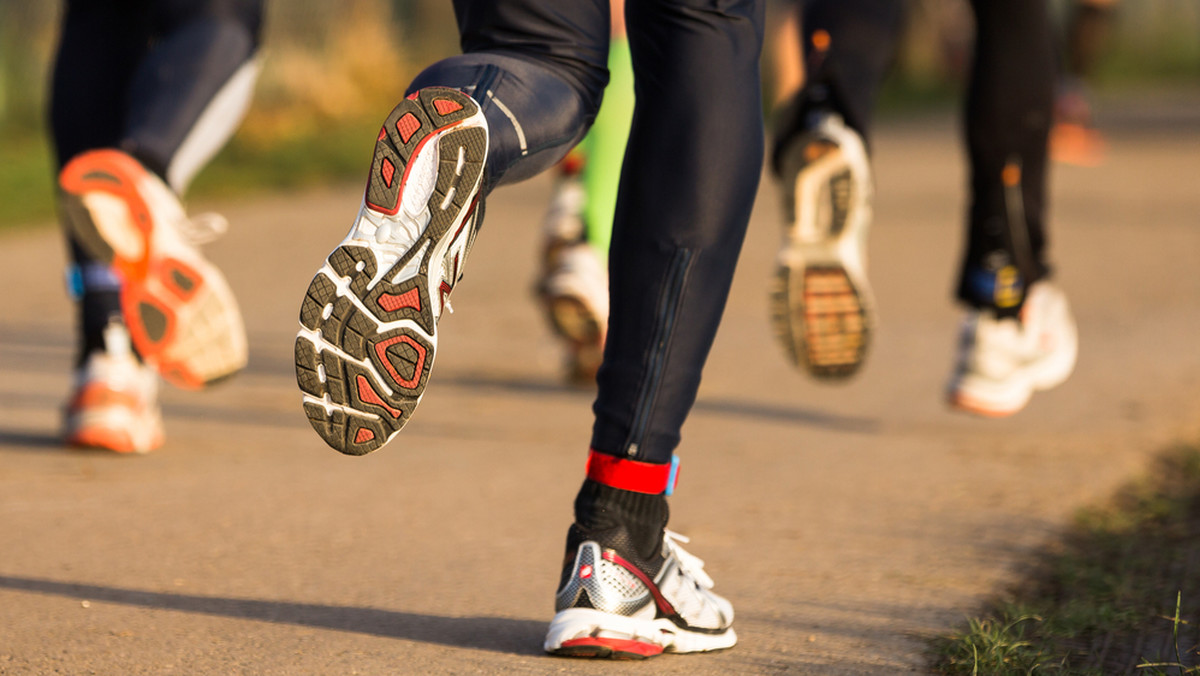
(181, 315)
(1003, 361)
(821, 303)
(368, 322)
(114, 404)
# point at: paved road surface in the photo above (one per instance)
(847, 524)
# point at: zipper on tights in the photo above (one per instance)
(664, 325)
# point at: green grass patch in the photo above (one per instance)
(26, 180)
(1120, 594)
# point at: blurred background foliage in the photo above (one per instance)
(332, 70)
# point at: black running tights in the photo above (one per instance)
(1006, 121)
(143, 76)
(538, 70)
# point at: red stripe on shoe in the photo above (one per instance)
(663, 604)
(616, 645)
(628, 475)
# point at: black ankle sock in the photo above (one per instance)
(96, 310)
(643, 517)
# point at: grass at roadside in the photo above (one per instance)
(26, 180)
(1120, 594)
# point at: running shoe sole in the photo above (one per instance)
(106, 419)
(573, 320)
(181, 314)
(369, 318)
(583, 632)
(578, 326)
(821, 305)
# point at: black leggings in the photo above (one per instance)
(538, 69)
(1007, 118)
(140, 75)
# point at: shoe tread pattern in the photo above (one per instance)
(370, 378)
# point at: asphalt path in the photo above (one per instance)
(847, 524)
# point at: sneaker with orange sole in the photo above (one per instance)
(181, 315)
(114, 403)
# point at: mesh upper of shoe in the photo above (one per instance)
(613, 584)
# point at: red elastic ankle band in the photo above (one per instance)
(632, 475)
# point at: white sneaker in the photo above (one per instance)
(114, 403)
(368, 323)
(573, 284)
(613, 606)
(1002, 362)
(821, 304)
(183, 318)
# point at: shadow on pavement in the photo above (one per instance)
(30, 441)
(497, 634)
(757, 410)
(807, 417)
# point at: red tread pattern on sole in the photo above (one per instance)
(446, 106)
(369, 396)
(407, 383)
(410, 299)
(387, 171)
(407, 125)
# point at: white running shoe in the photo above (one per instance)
(574, 294)
(612, 605)
(114, 404)
(368, 323)
(821, 303)
(573, 287)
(1002, 362)
(183, 318)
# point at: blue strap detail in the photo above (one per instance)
(93, 277)
(74, 279)
(1002, 288)
(673, 476)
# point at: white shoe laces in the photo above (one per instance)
(689, 564)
